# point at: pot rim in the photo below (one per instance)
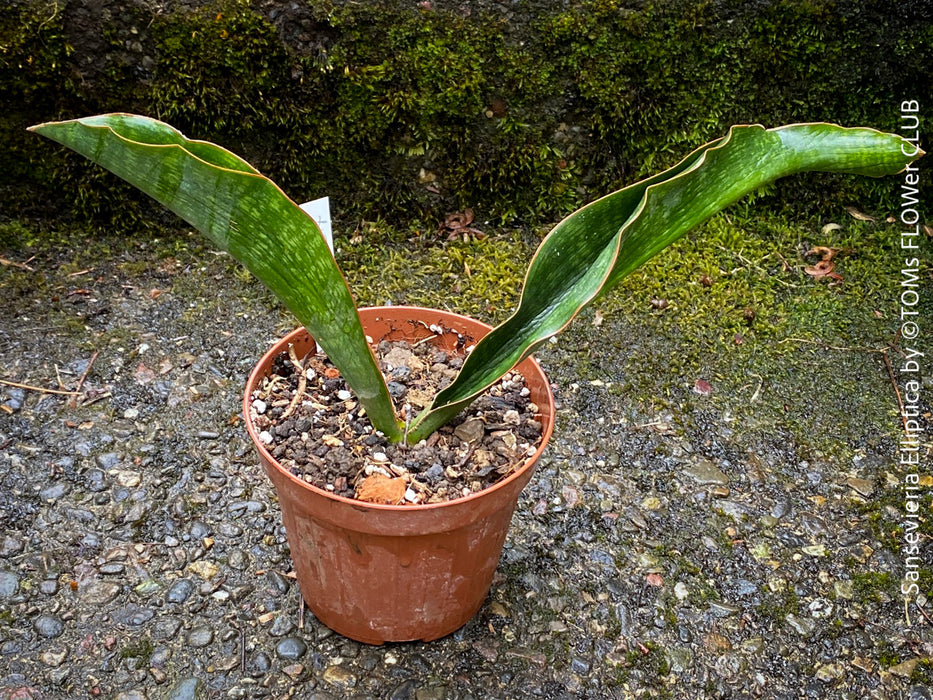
(255, 375)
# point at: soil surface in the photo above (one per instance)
(718, 526)
(314, 426)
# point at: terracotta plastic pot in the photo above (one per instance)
(379, 573)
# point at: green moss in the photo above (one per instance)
(869, 585)
(886, 513)
(409, 114)
(802, 369)
(481, 278)
(887, 654)
(922, 673)
(649, 658)
(776, 606)
(140, 649)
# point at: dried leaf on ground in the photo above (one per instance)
(856, 214)
(654, 580)
(825, 267)
(458, 224)
(378, 488)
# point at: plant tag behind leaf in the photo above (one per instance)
(319, 210)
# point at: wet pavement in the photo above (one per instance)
(678, 540)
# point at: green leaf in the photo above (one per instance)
(247, 215)
(594, 248)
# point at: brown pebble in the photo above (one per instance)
(293, 671)
(717, 643)
(470, 430)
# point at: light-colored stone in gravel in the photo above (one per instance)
(801, 625)
(705, 473)
(830, 672)
(339, 676)
(204, 568)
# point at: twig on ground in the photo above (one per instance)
(923, 612)
(95, 399)
(758, 390)
(13, 263)
(466, 457)
(29, 387)
(74, 402)
(652, 424)
(897, 392)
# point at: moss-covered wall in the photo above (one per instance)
(410, 110)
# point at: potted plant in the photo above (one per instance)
(401, 569)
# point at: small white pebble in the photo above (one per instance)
(411, 496)
(220, 595)
(436, 329)
(344, 395)
(380, 457)
(265, 437)
(525, 391)
(260, 406)
(131, 413)
(310, 373)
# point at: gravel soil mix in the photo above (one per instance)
(724, 538)
(313, 424)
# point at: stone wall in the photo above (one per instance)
(520, 110)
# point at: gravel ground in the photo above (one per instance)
(660, 551)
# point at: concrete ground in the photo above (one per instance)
(716, 517)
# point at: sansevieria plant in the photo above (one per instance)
(585, 255)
